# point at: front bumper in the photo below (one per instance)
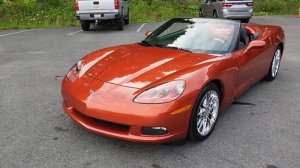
(114, 116)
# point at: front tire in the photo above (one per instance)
(275, 65)
(205, 113)
(85, 25)
(215, 14)
(201, 13)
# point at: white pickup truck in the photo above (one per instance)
(98, 11)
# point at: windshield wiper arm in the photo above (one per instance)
(144, 42)
(176, 48)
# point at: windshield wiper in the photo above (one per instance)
(144, 42)
(176, 48)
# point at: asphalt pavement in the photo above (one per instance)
(261, 130)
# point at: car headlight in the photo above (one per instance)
(74, 72)
(163, 93)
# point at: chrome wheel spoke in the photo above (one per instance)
(205, 101)
(276, 62)
(207, 112)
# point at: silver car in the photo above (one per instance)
(96, 11)
(230, 9)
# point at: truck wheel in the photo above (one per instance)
(85, 25)
(126, 19)
(245, 20)
(215, 14)
(201, 13)
(120, 23)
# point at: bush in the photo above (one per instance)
(276, 7)
(57, 13)
(157, 10)
(32, 14)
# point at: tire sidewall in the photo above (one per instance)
(215, 14)
(85, 25)
(193, 132)
(201, 13)
(126, 20)
(270, 77)
(120, 23)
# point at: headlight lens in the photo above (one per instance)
(74, 72)
(163, 93)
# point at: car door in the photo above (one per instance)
(252, 66)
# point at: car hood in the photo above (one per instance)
(137, 66)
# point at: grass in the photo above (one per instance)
(15, 14)
(31, 14)
(276, 7)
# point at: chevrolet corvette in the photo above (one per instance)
(173, 84)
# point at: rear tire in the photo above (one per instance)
(120, 23)
(245, 20)
(205, 113)
(85, 25)
(275, 65)
(215, 14)
(126, 20)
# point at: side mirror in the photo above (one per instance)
(255, 44)
(148, 33)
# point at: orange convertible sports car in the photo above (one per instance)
(173, 84)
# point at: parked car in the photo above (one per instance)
(92, 11)
(174, 83)
(230, 9)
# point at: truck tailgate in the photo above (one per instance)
(91, 5)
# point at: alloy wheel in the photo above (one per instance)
(208, 112)
(276, 62)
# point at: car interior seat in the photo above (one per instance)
(244, 38)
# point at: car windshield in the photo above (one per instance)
(197, 35)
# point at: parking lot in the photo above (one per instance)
(262, 129)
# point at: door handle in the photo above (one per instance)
(96, 2)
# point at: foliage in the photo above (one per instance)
(276, 7)
(57, 13)
(40, 13)
(160, 10)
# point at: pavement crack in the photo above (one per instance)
(243, 103)
(271, 166)
(184, 157)
(58, 76)
(60, 129)
(231, 161)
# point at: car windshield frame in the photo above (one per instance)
(153, 38)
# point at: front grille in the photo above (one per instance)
(104, 125)
(114, 126)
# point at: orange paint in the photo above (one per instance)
(100, 99)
